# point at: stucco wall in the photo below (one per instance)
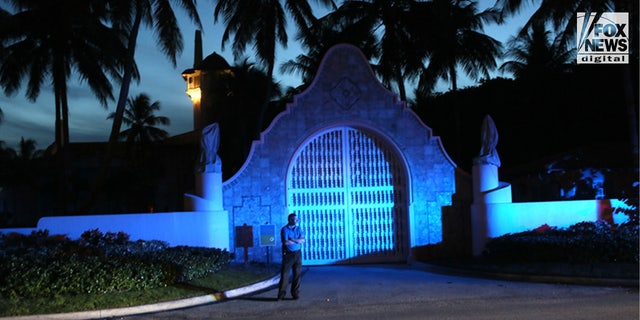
(345, 92)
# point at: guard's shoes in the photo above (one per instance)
(280, 298)
(296, 297)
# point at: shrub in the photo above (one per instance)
(40, 265)
(95, 237)
(585, 242)
(193, 262)
(17, 242)
(30, 276)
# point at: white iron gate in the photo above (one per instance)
(348, 188)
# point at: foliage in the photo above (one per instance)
(43, 265)
(32, 275)
(192, 262)
(535, 54)
(632, 208)
(128, 17)
(47, 42)
(585, 242)
(22, 170)
(533, 126)
(140, 118)
(229, 277)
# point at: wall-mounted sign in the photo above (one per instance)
(267, 235)
(244, 236)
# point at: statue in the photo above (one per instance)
(489, 140)
(209, 142)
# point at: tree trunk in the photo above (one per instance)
(401, 88)
(60, 204)
(119, 113)
(265, 104)
(126, 79)
(456, 115)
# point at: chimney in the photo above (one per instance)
(197, 54)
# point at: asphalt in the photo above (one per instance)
(271, 283)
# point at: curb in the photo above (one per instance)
(156, 307)
(586, 281)
(273, 281)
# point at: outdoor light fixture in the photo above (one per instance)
(194, 94)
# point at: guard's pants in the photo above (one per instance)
(290, 261)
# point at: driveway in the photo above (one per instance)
(414, 292)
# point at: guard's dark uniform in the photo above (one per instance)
(291, 260)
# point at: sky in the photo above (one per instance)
(161, 81)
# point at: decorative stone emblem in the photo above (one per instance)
(345, 93)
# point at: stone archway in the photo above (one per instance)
(349, 188)
(370, 222)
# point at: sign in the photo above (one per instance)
(602, 38)
(267, 235)
(244, 236)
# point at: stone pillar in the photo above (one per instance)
(209, 188)
(485, 178)
(487, 191)
(207, 204)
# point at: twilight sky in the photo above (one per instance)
(161, 81)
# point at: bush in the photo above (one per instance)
(40, 265)
(193, 262)
(31, 277)
(585, 242)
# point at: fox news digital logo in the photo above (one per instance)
(603, 38)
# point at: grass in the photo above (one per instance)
(238, 275)
(233, 276)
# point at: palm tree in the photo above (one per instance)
(141, 121)
(4, 16)
(128, 16)
(140, 136)
(397, 23)
(23, 178)
(535, 55)
(244, 106)
(7, 156)
(242, 92)
(458, 42)
(562, 14)
(28, 151)
(262, 23)
(47, 40)
(326, 32)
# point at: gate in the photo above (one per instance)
(348, 189)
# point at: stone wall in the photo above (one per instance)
(345, 92)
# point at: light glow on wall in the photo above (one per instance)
(194, 94)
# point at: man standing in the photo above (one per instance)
(292, 238)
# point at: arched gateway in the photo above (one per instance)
(348, 187)
(369, 181)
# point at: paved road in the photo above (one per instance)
(410, 292)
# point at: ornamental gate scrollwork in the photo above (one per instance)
(349, 188)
